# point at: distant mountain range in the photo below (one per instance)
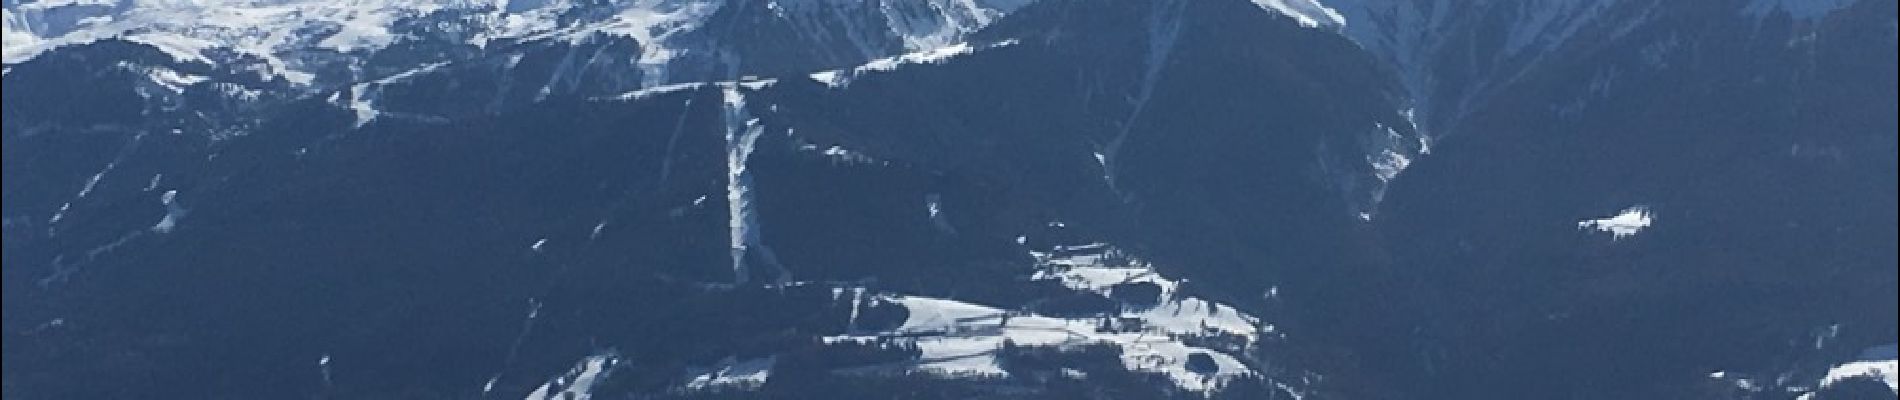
(711, 199)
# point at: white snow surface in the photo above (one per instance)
(1391, 159)
(1100, 268)
(742, 136)
(363, 96)
(283, 34)
(1882, 367)
(1086, 268)
(742, 132)
(962, 339)
(732, 373)
(188, 30)
(174, 81)
(933, 205)
(173, 212)
(577, 383)
(1627, 223)
(958, 338)
(840, 155)
(843, 77)
(949, 21)
(1885, 370)
(1309, 13)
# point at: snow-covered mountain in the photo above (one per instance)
(257, 51)
(317, 42)
(949, 199)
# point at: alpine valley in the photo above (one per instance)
(950, 199)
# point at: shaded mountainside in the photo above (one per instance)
(1077, 199)
(1766, 165)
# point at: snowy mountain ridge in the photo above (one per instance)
(973, 198)
(296, 39)
(275, 28)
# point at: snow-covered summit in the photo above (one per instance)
(302, 40)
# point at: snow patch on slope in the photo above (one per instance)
(1309, 13)
(1388, 152)
(363, 96)
(840, 155)
(843, 77)
(732, 374)
(1101, 268)
(654, 26)
(578, 383)
(1629, 222)
(920, 25)
(1096, 268)
(174, 81)
(933, 205)
(173, 213)
(14, 33)
(963, 339)
(742, 135)
(1884, 370)
(1876, 363)
(1392, 156)
(951, 20)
